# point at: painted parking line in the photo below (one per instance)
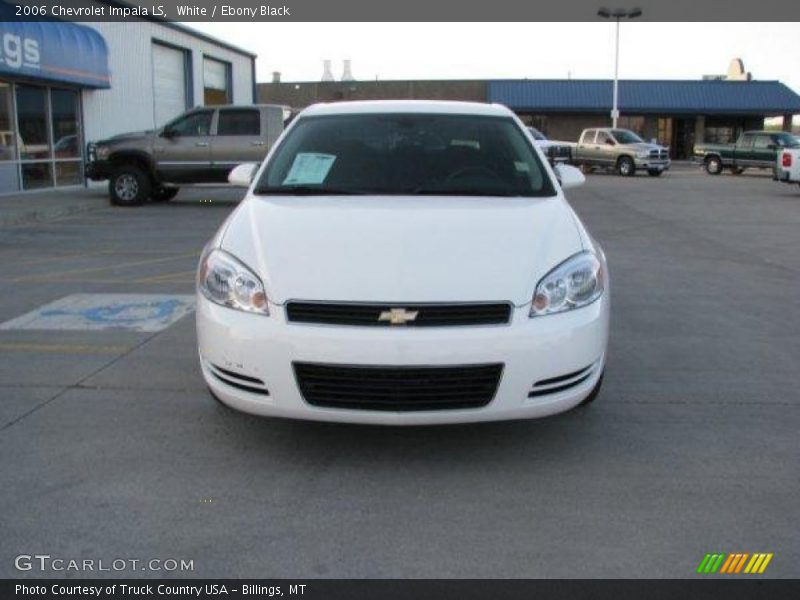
(62, 348)
(57, 275)
(100, 312)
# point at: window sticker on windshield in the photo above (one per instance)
(309, 168)
(521, 166)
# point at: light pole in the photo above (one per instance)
(617, 14)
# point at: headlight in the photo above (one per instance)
(643, 154)
(102, 152)
(226, 281)
(576, 282)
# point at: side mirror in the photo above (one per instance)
(168, 132)
(242, 175)
(569, 176)
(772, 146)
(611, 143)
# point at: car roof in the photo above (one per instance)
(408, 106)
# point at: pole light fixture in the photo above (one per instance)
(617, 14)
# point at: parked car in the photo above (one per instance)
(788, 165)
(200, 146)
(622, 150)
(403, 262)
(753, 149)
(555, 151)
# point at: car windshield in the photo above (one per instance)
(623, 136)
(405, 154)
(537, 135)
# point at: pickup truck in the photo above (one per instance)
(621, 149)
(753, 149)
(788, 165)
(555, 151)
(200, 146)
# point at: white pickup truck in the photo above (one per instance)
(788, 168)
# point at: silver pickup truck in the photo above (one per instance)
(200, 146)
(621, 149)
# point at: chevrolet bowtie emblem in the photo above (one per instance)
(398, 316)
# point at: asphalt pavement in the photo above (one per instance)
(112, 448)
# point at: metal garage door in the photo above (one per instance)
(169, 83)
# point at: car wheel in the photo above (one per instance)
(165, 194)
(713, 165)
(737, 170)
(654, 172)
(129, 186)
(625, 166)
(595, 391)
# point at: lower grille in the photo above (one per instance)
(397, 388)
(238, 380)
(408, 315)
(560, 383)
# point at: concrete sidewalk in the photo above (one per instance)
(32, 207)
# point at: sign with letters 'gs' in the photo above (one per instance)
(55, 51)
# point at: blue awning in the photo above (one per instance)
(646, 96)
(55, 51)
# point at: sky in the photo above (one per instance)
(516, 50)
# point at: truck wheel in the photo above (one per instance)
(654, 172)
(625, 166)
(164, 194)
(737, 170)
(129, 186)
(713, 165)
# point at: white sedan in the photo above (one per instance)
(403, 263)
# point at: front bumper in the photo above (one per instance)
(650, 164)
(531, 350)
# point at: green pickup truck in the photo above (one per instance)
(753, 149)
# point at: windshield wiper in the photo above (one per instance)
(307, 190)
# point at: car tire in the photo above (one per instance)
(654, 172)
(737, 170)
(165, 194)
(713, 165)
(595, 391)
(626, 166)
(129, 186)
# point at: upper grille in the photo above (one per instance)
(397, 388)
(659, 154)
(409, 315)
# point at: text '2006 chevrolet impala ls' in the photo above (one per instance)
(403, 263)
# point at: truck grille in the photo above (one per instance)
(408, 315)
(659, 154)
(397, 388)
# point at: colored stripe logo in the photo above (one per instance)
(736, 563)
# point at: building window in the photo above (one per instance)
(665, 132)
(40, 137)
(635, 124)
(216, 82)
(719, 135)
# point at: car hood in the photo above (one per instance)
(124, 137)
(644, 147)
(401, 249)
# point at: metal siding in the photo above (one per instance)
(696, 97)
(128, 105)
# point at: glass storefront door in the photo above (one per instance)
(40, 137)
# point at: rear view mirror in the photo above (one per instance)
(569, 176)
(242, 175)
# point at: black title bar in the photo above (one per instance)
(404, 11)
